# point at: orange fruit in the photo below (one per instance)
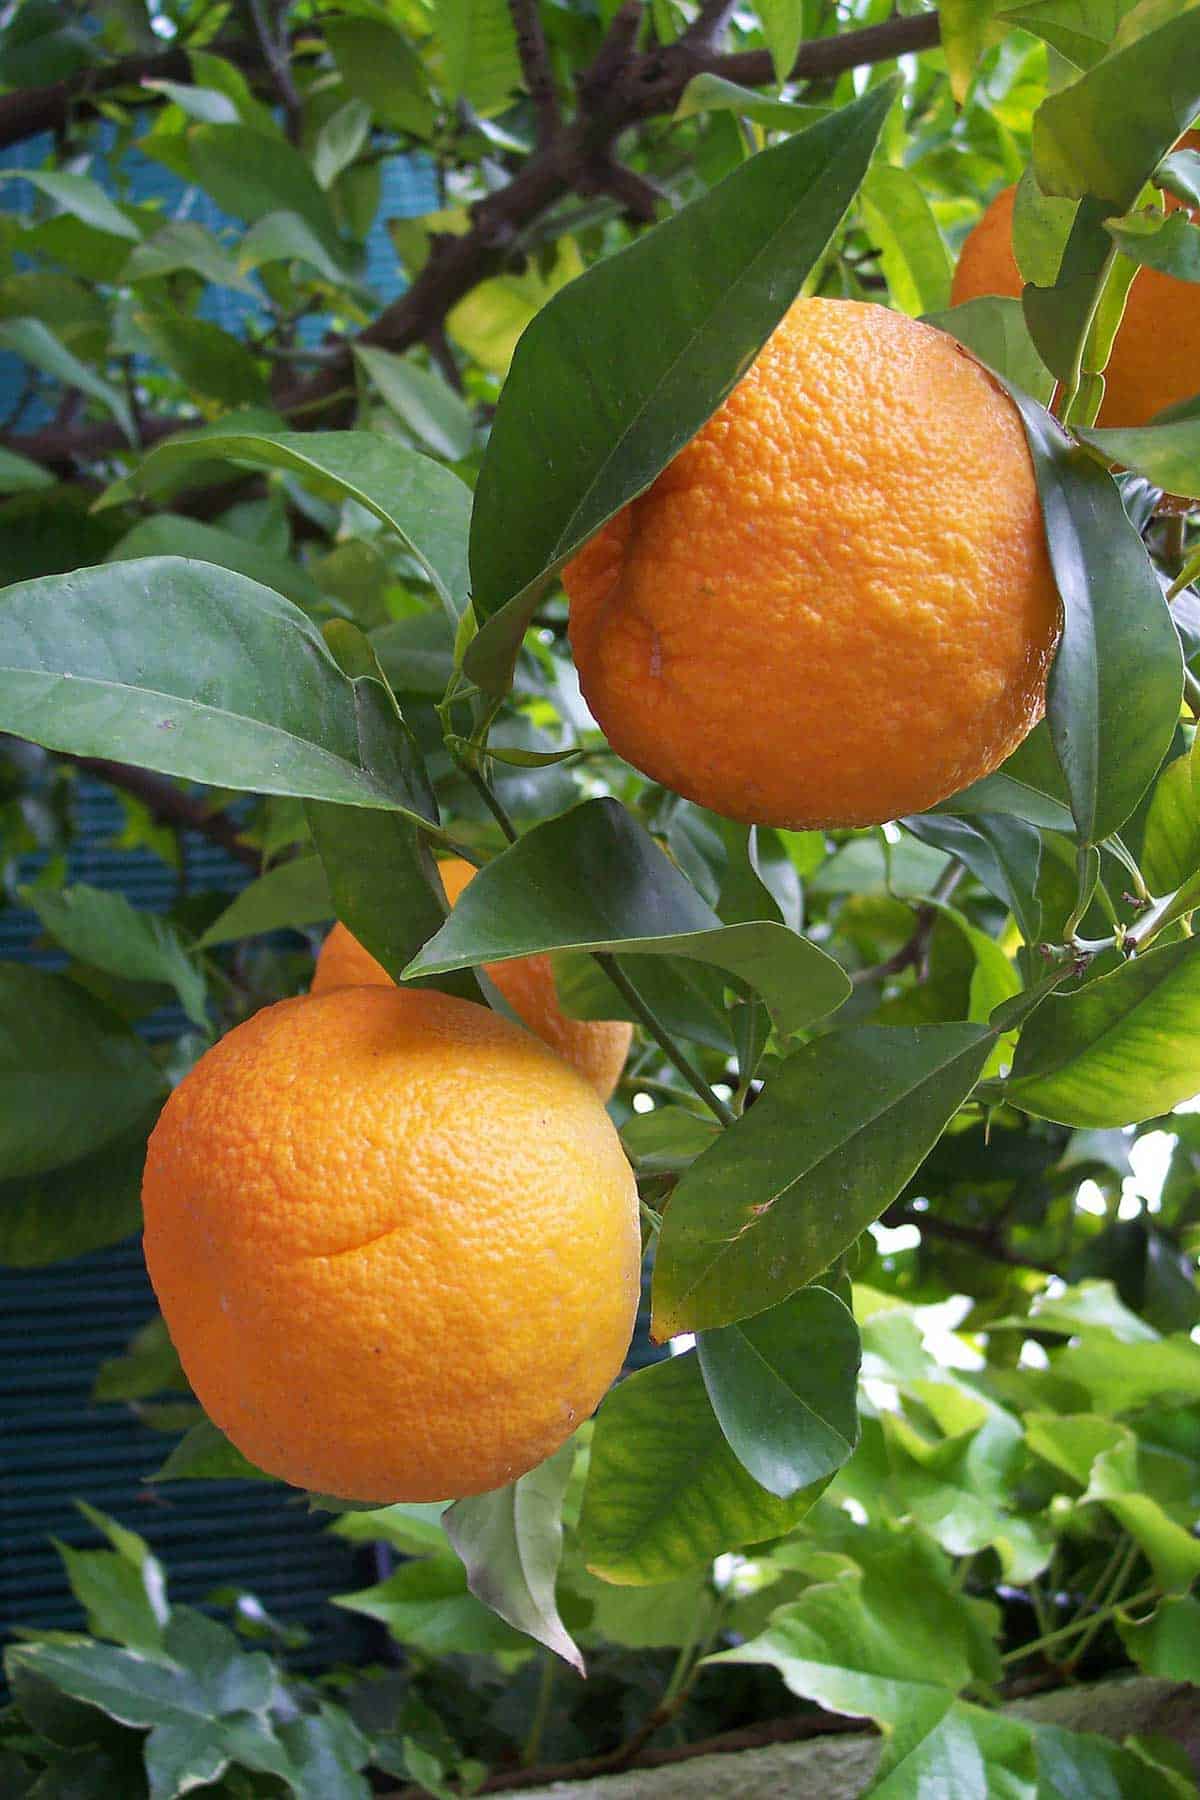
(835, 605)
(395, 1241)
(596, 1047)
(1155, 360)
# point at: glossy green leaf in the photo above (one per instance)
(426, 403)
(105, 930)
(73, 1077)
(1089, 140)
(665, 1493)
(197, 672)
(35, 343)
(668, 1138)
(1004, 854)
(205, 1454)
(425, 504)
(1171, 843)
(1167, 1642)
(591, 413)
(510, 1543)
(1121, 1049)
(480, 47)
(994, 328)
(1114, 689)
(80, 196)
(1171, 244)
(835, 1134)
(172, 534)
(1028, 785)
(287, 897)
(784, 1388)
(84, 1205)
(1072, 318)
(594, 879)
(1167, 454)
(912, 251)
(427, 1605)
(208, 105)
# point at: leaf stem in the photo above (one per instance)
(491, 800)
(662, 1037)
(1113, 1599)
(1077, 1625)
(531, 1749)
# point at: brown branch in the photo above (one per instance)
(710, 23)
(278, 60)
(172, 805)
(984, 1240)
(60, 447)
(535, 66)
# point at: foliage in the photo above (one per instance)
(311, 564)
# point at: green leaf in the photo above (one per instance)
(912, 251)
(665, 1493)
(1089, 140)
(72, 1076)
(591, 413)
(412, 1527)
(784, 1388)
(1171, 1548)
(208, 361)
(148, 1366)
(122, 1591)
(35, 343)
(425, 504)
(1114, 690)
(172, 534)
(80, 196)
(428, 1606)
(480, 51)
(339, 141)
(20, 476)
(426, 403)
(568, 884)
(510, 1543)
(1080, 1765)
(326, 1751)
(1166, 454)
(287, 897)
(378, 66)
(712, 93)
(250, 174)
(1144, 1371)
(783, 23)
(209, 105)
(1167, 1643)
(105, 930)
(1171, 244)
(182, 244)
(84, 1205)
(205, 1454)
(831, 1140)
(1004, 854)
(1082, 34)
(197, 672)
(994, 329)
(1121, 1049)
(1171, 844)
(668, 1138)
(286, 237)
(966, 29)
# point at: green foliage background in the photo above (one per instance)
(316, 565)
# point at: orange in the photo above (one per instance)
(395, 1241)
(596, 1047)
(835, 605)
(1155, 360)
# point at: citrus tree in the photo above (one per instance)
(841, 829)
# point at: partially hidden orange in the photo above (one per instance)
(835, 606)
(596, 1047)
(395, 1241)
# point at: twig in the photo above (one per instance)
(278, 60)
(979, 1238)
(914, 952)
(172, 805)
(662, 1037)
(535, 66)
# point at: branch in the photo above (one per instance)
(172, 805)
(984, 1240)
(535, 66)
(278, 61)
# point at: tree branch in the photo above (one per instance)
(172, 805)
(277, 58)
(982, 1239)
(535, 66)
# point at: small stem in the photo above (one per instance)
(1191, 691)
(1078, 1625)
(531, 1749)
(662, 1037)
(1112, 1599)
(492, 801)
(648, 1084)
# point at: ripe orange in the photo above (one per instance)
(596, 1047)
(835, 606)
(395, 1241)
(1155, 360)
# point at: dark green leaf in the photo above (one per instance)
(207, 360)
(35, 343)
(1171, 843)
(1113, 695)
(480, 48)
(289, 896)
(994, 328)
(380, 67)
(20, 476)
(105, 930)
(250, 175)
(510, 1543)
(83, 1206)
(1003, 853)
(1167, 1643)
(427, 1605)
(784, 1387)
(182, 244)
(424, 503)
(80, 196)
(592, 412)
(72, 1076)
(832, 1139)
(1121, 1049)
(148, 1366)
(668, 1138)
(595, 880)
(171, 534)
(1170, 244)
(426, 403)
(205, 1454)
(665, 1493)
(1168, 454)
(197, 672)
